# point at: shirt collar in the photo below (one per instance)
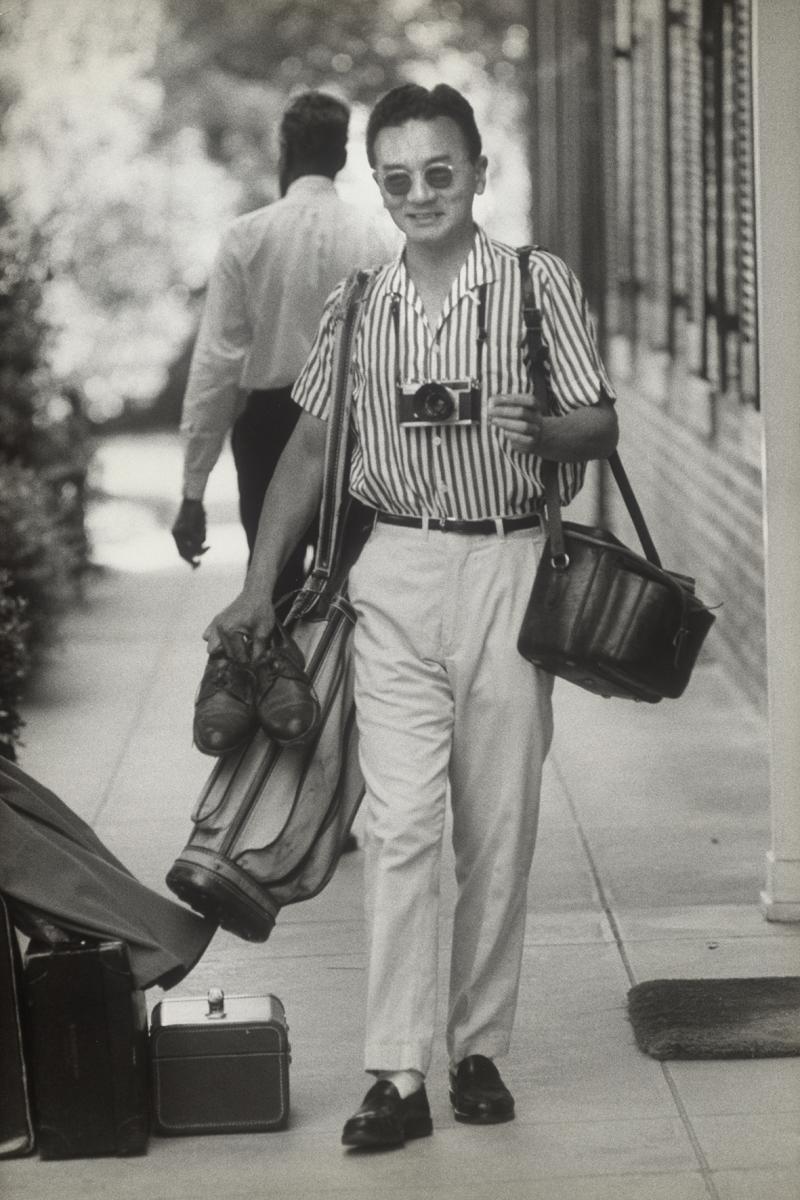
(479, 267)
(310, 184)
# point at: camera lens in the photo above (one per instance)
(433, 402)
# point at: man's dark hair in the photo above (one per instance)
(314, 132)
(411, 102)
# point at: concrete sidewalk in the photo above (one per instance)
(649, 864)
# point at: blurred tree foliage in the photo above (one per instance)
(229, 67)
(131, 225)
(296, 43)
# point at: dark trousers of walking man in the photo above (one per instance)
(258, 438)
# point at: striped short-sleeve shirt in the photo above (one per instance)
(468, 472)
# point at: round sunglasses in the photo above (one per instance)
(399, 183)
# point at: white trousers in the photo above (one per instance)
(442, 694)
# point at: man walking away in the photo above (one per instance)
(273, 272)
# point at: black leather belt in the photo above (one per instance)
(451, 525)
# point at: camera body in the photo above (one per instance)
(438, 402)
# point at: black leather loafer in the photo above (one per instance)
(385, 1120)
(224, 711)
(478, 1094)
(288, 710)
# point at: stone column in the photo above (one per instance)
(776, 54)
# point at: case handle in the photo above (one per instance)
(216, 1004)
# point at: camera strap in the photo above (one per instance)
(538, 355)
(481, 337)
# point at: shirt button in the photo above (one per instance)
(437, 441)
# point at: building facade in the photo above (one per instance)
(643, 167)
(665, 151)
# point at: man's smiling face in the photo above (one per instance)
(436, 208)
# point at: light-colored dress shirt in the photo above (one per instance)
(274, 269)
(469, 472)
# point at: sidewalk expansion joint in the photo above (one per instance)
(161, 645)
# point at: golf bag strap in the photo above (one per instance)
(338, 446)
(538, 355)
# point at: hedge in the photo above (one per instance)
(44, 456)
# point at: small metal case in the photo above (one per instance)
(219, 1064)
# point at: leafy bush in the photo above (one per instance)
(22, 336)
(14, 663)
(33, 553)
(44, 455)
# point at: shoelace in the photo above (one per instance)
(223, 674)
(278, 663)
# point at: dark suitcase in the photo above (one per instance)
(88, 1036)
(16, 1120)
(219, 1065)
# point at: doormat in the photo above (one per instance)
(717, 1018)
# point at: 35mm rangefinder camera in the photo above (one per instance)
(440, 402)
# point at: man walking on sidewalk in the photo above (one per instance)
(274, 269)
(448, 454)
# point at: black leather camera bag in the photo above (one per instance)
(600, 615)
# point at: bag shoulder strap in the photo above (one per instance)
(538, 354)
(338, 443)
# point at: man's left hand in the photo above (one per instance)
(517, 416)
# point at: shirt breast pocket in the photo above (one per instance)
(503, 380)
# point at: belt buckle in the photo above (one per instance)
(443, 524)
